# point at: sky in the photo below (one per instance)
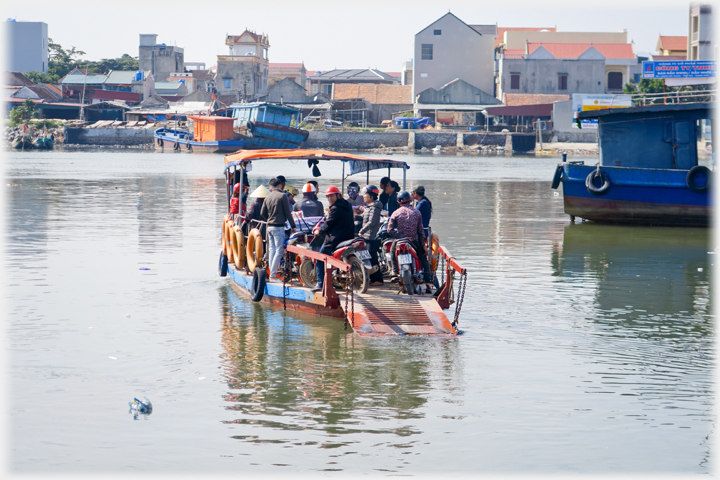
(328, 34)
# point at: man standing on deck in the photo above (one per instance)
(276, 211)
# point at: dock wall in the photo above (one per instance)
(108, 136)
(403, 138)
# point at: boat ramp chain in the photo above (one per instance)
(456, 267)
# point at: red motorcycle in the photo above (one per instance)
(401, 254)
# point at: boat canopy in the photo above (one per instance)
(357, 164)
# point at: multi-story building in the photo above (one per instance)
(294, 71)
(27, 46)
(450, 49)
(159, 59)
(243, 73)
(672, 46)
(700, 44)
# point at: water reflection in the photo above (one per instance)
(299, 373)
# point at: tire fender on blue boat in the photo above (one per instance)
(691, 178)
(223, 265)
(176, 147)
(603, 188)
(188, 147)
(557, 177)
(258, 284)
(250, 126)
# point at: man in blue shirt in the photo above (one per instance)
(423, 205)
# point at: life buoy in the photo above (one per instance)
(223, 265)
(692, 177)
(223, 239)
(228, 241)
(176, 146)
(557, 177)
(254, 249)
(257, 288)
(604, 186)
(434, 251)
(238, 244)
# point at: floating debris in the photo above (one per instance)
(140, 407)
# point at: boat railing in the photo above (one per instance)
(328, 291)
(450, 266)
(687, 96)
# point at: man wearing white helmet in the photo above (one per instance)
(310, 206)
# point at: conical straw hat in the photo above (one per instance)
(260, 192)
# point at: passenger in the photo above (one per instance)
(389, 196)
(282, 182)
(369, 230)
(406, 222)
(253, 218)
(338, 227)
(276, 211)
(353, 198)
(423, 205)
(310, 206)
(291, 193)
(235, 200)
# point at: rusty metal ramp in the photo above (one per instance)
(377, 313)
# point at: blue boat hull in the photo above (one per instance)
(267, 135)
(637, 196)
(168, 140)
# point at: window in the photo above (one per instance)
(562, 81)
(637, 78)
(227, 83)
(514, 81)
(326, 88)
(427, 51)
(437, 32)
(614, 81)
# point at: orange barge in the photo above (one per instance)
(381, 310)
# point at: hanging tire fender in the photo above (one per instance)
(557, 178)
(258, 285)
(590, 182)
(692, 177)
(223, 265)
(176, 147)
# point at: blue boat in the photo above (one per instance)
(267, 126)
(648, 172)
(210, 134)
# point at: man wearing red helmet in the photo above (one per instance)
(339, 226)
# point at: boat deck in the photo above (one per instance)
(379, 311)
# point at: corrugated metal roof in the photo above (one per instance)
(80, 79)
(120, 77)
(485, 29)
(167, 85)
(574, 50)
(354, 74)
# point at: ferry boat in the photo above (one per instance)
(213, 134)
(268, 126)
(648, 172)
(381, 310)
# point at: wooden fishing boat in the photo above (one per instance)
(264, 125)
(211, 134)
(43, 143)
(22, 143)
(381, 310)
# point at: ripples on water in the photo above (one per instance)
(585, 348)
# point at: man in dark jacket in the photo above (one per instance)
(339, 226)
(276, 211)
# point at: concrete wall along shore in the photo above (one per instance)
(108, 136)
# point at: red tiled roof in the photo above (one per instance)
(501, 32)
(54, 88)
(574, 50)
(17, 79)
(517, 99)
(673, 43)
(375, 94)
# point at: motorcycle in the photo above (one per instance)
(401, 254)
(353, 252)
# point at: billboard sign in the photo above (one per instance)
(679, 69)
(582, 102)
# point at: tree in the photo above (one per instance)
(61, 61)
(646, 85)
(38, 77)
(23, 113)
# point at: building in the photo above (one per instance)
(450, 49)
(159, 59)
(242, 75)
(386, 101)
(187, 78)
(204, 79)
(294, 71)
(700, 44)
(516, 39)
(79, 86)
(27, 46)
(672, 46)
(567, 68)
(322, 82)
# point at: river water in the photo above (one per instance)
(584, 348)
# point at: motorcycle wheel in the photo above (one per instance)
(360, 279)
(408, 282)
(308, 274)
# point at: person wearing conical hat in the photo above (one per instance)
(253, 218)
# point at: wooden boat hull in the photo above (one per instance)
(20, 144)
(43, 143)
(167, 140)
(268, 135)
(637, 196)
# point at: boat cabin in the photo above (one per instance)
(263, 112)
(212, 128)
(651, 136)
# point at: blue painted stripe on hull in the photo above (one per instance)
(271, 289)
